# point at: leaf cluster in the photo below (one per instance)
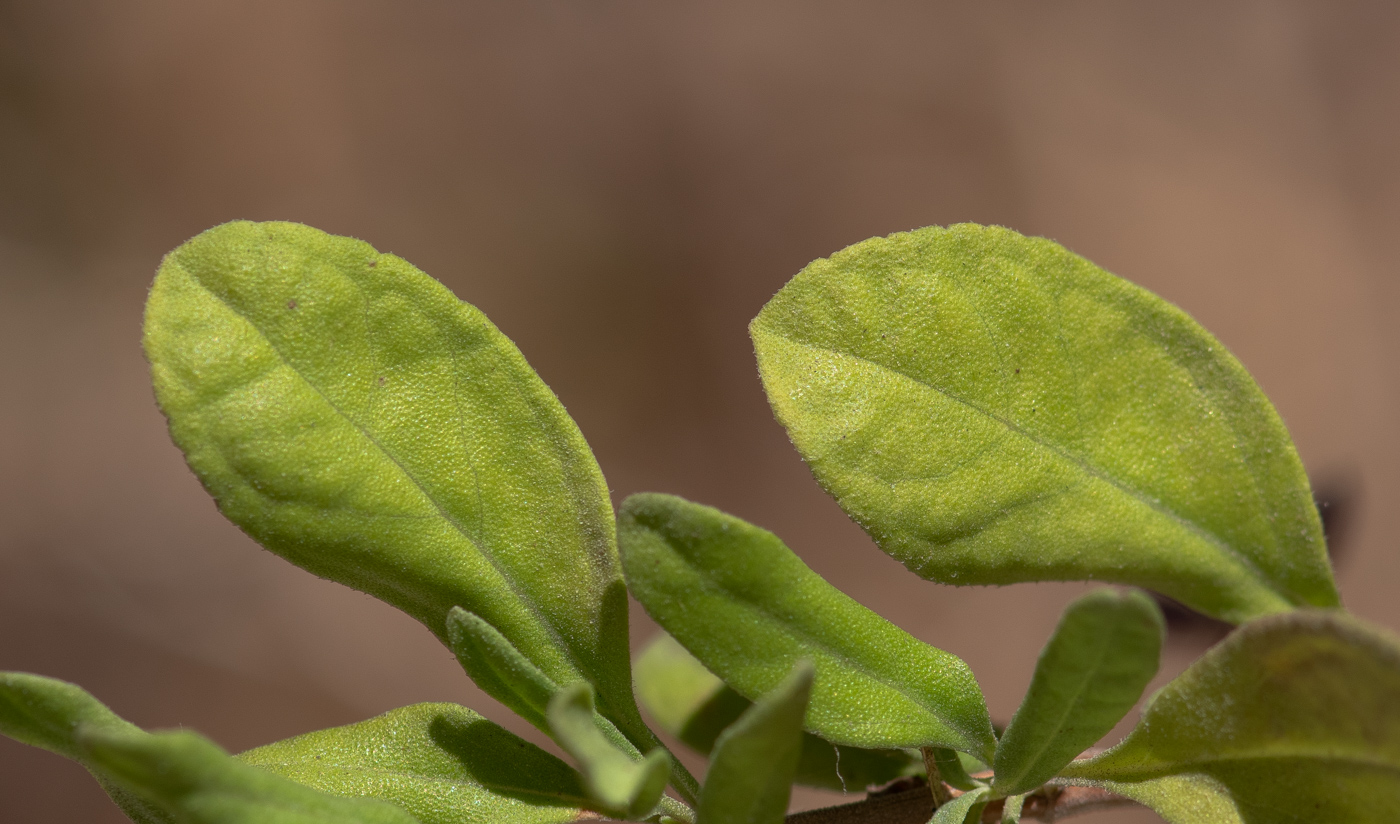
(989, 407)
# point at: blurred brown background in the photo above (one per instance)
(620, 186)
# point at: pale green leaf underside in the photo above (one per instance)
(751, 771)
(168, 777)
(692, 704)
(1102, 655)
(1293, 718)
(749, 609)
(441, 762)
(992, 408)
(354, 417)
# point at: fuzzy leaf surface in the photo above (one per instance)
(496, 666)
(992, 408)
(168, 777)
(353, 416)
(1102, 655)
(748, 608)
(1292, 718)
(441, 762)
(693, 705)
(755, 759)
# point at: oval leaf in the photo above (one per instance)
(755, 759)
(992, 408)
(1292, 718)
(690, 703)
(351, 415)
(443, 763)
(1093, 670)
(749, 609)
(171, 776)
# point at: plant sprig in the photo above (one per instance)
(989, 407)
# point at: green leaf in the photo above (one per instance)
(616, 782)
(755, 759)
(171, 777)
(441, 762)
(992, 408)
(350, 414)
(498, 667)
(1292, 718)
(965, 809)
(690, 703)
(749, 609)
(47, 713)
(1092, 671)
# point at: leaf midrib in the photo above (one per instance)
(530, 606)
(1068, 710)
(1241, 560)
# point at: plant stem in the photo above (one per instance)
(936, 787)
(915, 806)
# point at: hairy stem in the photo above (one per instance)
(936, 787)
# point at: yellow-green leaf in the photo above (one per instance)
(353, 416)
(992, 408)
(1292, 718)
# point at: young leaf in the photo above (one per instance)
(350, 414)
(167, 777)
(749, 609)
(1292, 718)
(1092, 671)
(509, 677)
(443, 763)
(616, 783)
(693, 705)
(755, 759)
(496, 666)
(952, 771)
(965, 809)
(992, 408)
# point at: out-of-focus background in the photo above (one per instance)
(620, 186)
